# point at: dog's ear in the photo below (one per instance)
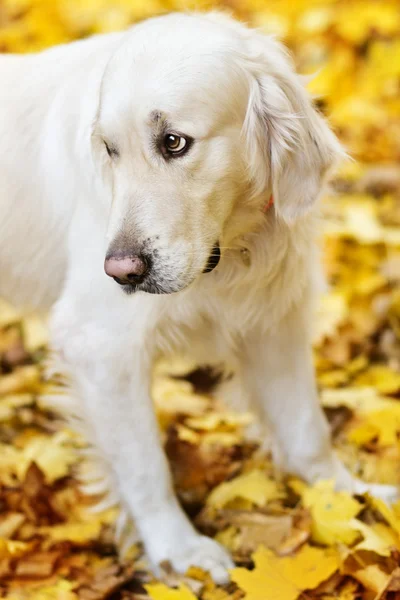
(290, 146)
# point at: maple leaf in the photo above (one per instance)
(360, 399)
(253, 486)
(54, 455)
(332, 310)
(159, 591)
(331, 513)
(285, 578)
(61, 590)
(74, 532)
(12, 549)
(35, 333)
(8, 314)
(388, 513)
(383, 425)
(377, 537)
(373, 578)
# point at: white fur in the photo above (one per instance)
(63, 202)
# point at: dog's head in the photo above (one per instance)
(200, 120)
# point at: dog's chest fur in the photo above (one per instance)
(251, 290)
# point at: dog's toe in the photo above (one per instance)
(205, 553)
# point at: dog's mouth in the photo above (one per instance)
(153, 284)
(213, 259)
(149, 286)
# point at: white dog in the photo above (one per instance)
(132, 165)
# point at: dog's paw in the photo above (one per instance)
(202, 552)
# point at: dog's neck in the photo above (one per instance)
(266, 242)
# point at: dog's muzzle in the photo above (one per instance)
(213, 259)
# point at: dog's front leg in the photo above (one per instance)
(110, 366)
(280, 375)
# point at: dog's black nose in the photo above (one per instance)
(127, 269)
(213, 259)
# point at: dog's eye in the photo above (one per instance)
(175, 144)
(111, 150)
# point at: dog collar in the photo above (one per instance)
(269, 204)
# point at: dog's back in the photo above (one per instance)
(40, 175)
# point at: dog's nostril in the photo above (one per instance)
(138, 267)
(126, 269)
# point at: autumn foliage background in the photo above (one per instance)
(307, 542)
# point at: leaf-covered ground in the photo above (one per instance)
(288, 540)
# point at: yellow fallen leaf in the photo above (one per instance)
(348, 592)
(373, 578)
(73, 532)
(61, 590)
(266, 576)
(331, 513)
(287, 576)
(316, 21)
(383, 425)
(356, 365)
(253, 486)
(10, 458)
(12, 548)
(187, 435)
(377, 538)
(215, 420)
(382, 466)
(361, 219)
(359, 20)
(35, 332)
(222, 438)
(387, 512)
(297, 485)
(10, 523)
(53, 454)
(229, 538)
(360, 399)
(332, 310)
(20, 380)
(159, 591)
(363, 434)
(176, 396)
(10, 404)
(175, 366)
(384, 379)
(333, 378)
(370, 283)
(8, 314)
